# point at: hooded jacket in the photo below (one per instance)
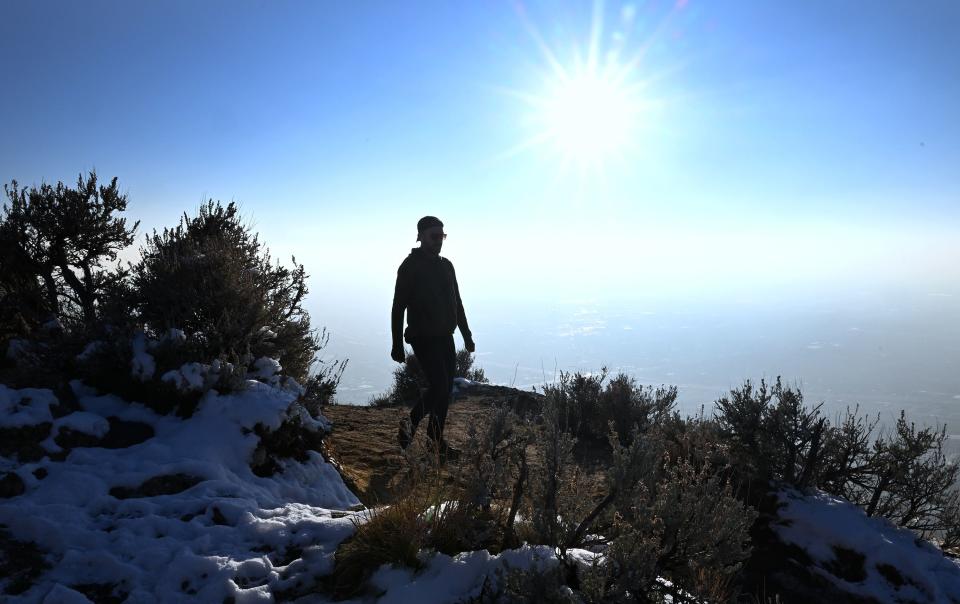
(427, 290)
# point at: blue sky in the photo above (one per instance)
(809, 144)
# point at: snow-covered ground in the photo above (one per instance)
(866, 556)
(222, 533)
(231, 534)
(180, 516)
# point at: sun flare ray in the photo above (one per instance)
(591, 104)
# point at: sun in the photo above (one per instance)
(587, 115)
(592, 101)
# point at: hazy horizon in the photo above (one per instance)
(883, 356)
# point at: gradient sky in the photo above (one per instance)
(786, 148)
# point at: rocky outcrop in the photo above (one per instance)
(20, 563)
(524, 402)
(23, 442)
(11, 485)
(167, 484)
(122, 434)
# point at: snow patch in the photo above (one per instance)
(83, 421)
(25, 407)
(90, 350)
(142, 365)
(214, 531)
(819, 523)
(461, 577)
(64, 595)
(460, 383)
(266, 369)
(175, 335)
(190, 376)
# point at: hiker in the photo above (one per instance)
(427, 290)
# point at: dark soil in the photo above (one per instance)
(365, 448)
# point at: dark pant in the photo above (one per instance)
(438, 360)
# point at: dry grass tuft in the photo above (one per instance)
(386, 535)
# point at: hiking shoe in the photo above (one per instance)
(405, 433)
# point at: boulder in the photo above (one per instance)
(23, 442)
(21, 562)
(11, 485)
(167, 484)
(124, 434)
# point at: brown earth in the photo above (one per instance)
(364, 440)
(365, 449)
(364, 446)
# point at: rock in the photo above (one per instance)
(11, 485)
(788, 573)
(102, 593)
(124, 434)
(31, 452)
(20, 563)
(71, 439)
(167, 484)
(58, 455)
(23, 442)
(847, 564)
(218, 518)
(522, 402)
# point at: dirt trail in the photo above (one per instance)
(364, 439)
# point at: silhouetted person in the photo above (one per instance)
(427, 290)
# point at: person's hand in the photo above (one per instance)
(469, 345)
(398, 354)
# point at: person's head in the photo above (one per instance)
(430, 234)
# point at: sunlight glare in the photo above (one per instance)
(593, 101)
(588, 116)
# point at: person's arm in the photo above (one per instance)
(401, 298)
(462, 316)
